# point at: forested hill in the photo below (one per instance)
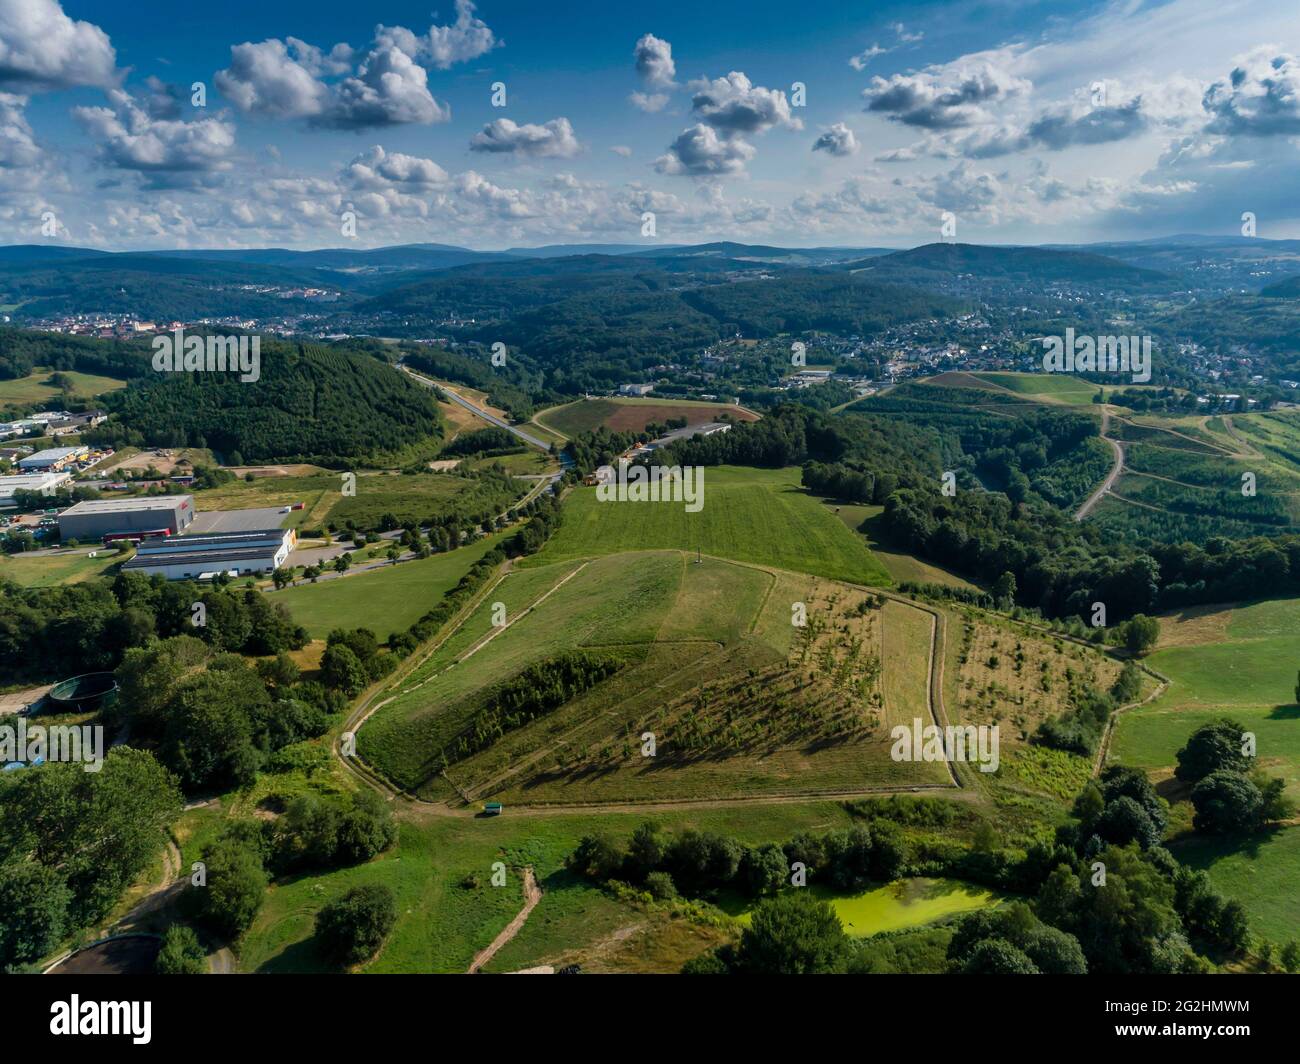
(22, 351)
(157, 287)
(1289, 288)
(311, 404)
(1009, 265)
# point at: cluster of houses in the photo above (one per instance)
(51, 423)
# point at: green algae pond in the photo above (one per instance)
(901, 904)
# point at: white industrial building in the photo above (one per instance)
(46, 482)
(203, 556)
(53, 459)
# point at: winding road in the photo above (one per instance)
(1113, 476)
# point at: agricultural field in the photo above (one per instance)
(1006, 673)
(384, 600)
(633, 415)
(761, 516)
(35, 388)
(740, 699)
(1017, 677)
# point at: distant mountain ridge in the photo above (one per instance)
(42, 280)
(1030, 263)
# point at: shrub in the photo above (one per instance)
(352, 929)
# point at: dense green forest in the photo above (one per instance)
(1011, 445)
(22, 351)
(1020, 265)
(311, 404)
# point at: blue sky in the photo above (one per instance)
(1023, 122)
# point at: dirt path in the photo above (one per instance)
(163, 892)
(497, 630)
(1115, 471)
(532, 895)
(1103, 747)
(1248, 449)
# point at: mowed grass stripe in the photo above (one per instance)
(908, 634)
(751, 515)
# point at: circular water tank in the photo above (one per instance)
(82, 694)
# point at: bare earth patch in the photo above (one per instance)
(1196, 626)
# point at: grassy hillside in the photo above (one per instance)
(741, 700)
(900, 565)
(35, 387)
(750, 515)
(632, 415)
(1045, 387)
(1239, 663)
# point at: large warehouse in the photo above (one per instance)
(46, 482)
(53, 459)
(127, 518)
(203, 556)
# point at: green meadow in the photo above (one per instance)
(750, 515)
(384, 600)
(868, 521)
(34, 388)
(1260, 871)
(1240, 663)
(441, 868)
(1057, 387)
(63, 567)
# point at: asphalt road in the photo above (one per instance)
(480, 412)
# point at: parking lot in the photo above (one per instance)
(237, 520)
